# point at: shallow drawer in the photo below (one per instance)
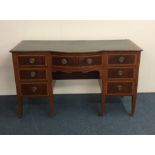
(119, 87)
(32, 60)
(121, 59)
(34, 89)
(64, 61)
(120, 73)
(88, 61)
(32, 74)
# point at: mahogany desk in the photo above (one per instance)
(114, 62)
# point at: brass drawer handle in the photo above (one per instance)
(121, 59)
(64, 61)
(89, 61)
(34, 89)
(32, 60)
(120, 72)
(119, 87)
(33, 74)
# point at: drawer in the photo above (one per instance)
(31, 60)
(36, 74)
(91, 60)
(64, 61)
(34, 89)
(120, 73)
(119, 87)
(121, 59)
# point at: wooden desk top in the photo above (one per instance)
(68, 46)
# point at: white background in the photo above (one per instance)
(77, 9)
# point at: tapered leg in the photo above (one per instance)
(51, 113)
(102, 105)
(133, 104)
(20, 106)
(102, 108)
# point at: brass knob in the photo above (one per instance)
(89, 61)
(34, 89)
(120, 72)
(32, 60)
(119, 87)
(121, 59)
(33, 74)
(64, 61)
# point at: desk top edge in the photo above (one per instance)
(75, 46)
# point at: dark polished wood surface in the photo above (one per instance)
(114, 63)
(76, 45)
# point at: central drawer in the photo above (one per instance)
(64, 61)
(76, 61)
(90, 60)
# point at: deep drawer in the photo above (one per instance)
(31, 74)
(34, 89)
(119, 87)
(120, 73)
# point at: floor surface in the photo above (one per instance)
(77, 115)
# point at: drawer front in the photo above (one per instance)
(34, 89)
(120, 73)
(119, 87)
(121, 59)
(88, 61)
(64, 61)
(32, 74)
(31, 60)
